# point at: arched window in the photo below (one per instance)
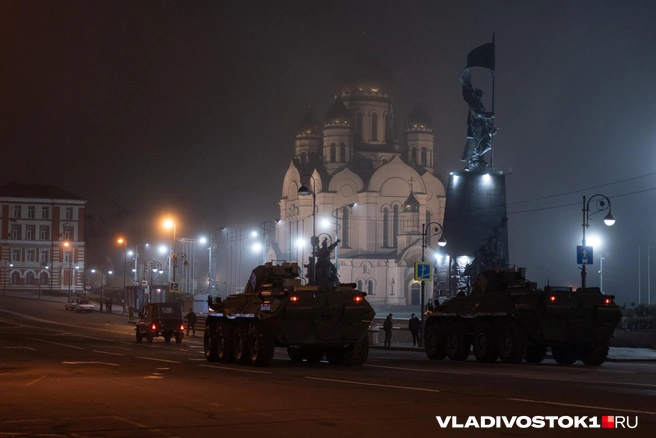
(43, 278)
(395, 224)
(385, 228)
(358, 126)
(370, 287)
(359, 285)
(346, 224)
(413, 156)
(29, 278)
(342, 153)
(374, 127)
(15, 277)
(333, 153)
(423, 157)
(388, 128)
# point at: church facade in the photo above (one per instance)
(368, 189)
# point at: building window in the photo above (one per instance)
(67, 256)
(44, 232)
(30, 232)
(358, 126)
(69, 213)
(68, 233)
(413, 156)
(15, 276)
(31, 212)
(17, 211)
(29, 278)
(44, 256)
(385, 228)
(43, 278)
(370, 288)
(342, 153)
(374, 127)
(15, 254)
(30, 255)
(360, 285)
(395, 225)
(333, 153)
(423, 157)
(45, 213)
(16, 232)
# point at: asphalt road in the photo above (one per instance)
(83, 375)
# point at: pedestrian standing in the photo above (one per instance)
(413, 325)
(191, 322)
(387, 328)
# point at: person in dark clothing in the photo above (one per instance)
(413, 325)
(387, 328)
(191, 322)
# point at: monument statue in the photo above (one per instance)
(480, 125)
(326, 271)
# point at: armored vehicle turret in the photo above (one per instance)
(276, 310)
(507, 317)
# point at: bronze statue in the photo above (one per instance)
(480, 125)
(326, 271)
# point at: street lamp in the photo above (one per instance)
(336, 214)
(210, 271)
(304, 191)
(609, 220)
(264, 237)
(169, 223)
(125, 264)
(67, 247)
(427, 231)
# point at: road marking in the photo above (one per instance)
(34, 381)
(235, 369)
(158, 360)
(416, 369)
(57, 343)
(112, 346)
(604, 382)
(373, 384)
(202, 360)
(20, 348)
(108, 352)
(90, 363)
(601, 408)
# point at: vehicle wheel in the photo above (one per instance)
(224, 348)
(456, 341)
(512, 343)
(595, 356)
(313, 355)
(335, 356)
(240, 346)
(535, 353)
(178, 338)
(295, 354)
(149, 337)
(260, 346)
(209, 346)
(485, 344)
(167, 338)
(564, 355)
(358, 353)
(139, 336)
(434, 342)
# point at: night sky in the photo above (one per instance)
(191, 107)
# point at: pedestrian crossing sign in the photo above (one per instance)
(423, 271)
(174, 286)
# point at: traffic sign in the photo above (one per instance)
(174, 286)
(423, 271)
(584, 255)
(144, 282)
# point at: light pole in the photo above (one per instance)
(609, 220)
(336, 214)
(304, 191)
(67, 247)
(210, 269)
(169, 223)
(264, 237)
(427, 231)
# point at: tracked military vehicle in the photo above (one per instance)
(276, 310)
(507, 317)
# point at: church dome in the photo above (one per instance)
(411, 205)
(419, 119)
(338, 113)
(309, 125)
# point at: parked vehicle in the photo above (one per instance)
(84, 306)
(71, 304)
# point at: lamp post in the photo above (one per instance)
(264, 237)
(125, 264)
(609, 220)
(336, 214)
(67, 248)
(175, 257)
(169, 223)
(210, 270)
(427, 231)
(304, 191)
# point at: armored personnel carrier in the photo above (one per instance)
(507, 317)
(275, 310)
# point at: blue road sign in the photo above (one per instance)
(174, 286)
(423, 271)
(584, 255)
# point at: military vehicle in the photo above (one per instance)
(276, 310)
(160, 319)
(507, 317)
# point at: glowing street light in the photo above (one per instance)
(602, 204)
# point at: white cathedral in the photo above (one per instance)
(369, 190)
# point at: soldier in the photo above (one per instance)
(413, 325)
(387, 328)
(191, 322)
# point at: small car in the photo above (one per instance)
(84, 306)
(71, 304)
(161, 319)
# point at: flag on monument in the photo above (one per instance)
(482, 56)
